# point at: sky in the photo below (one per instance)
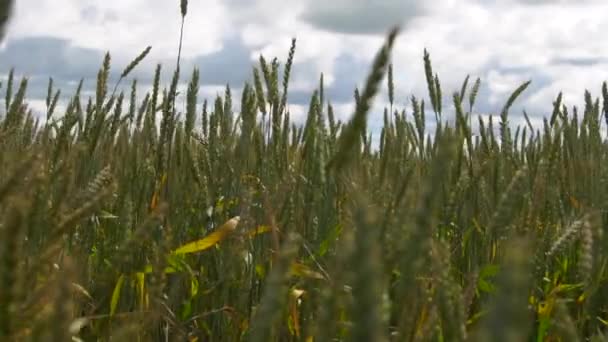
(558, 44)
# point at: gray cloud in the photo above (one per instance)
(347, 73)
(39, 58)
(49, 56)
(552, 2)
(539, 82)
(361, 17)
(42, 57)
(579, 61)
(232, 64)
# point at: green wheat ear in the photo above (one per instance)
(351, 137)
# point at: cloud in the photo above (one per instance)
(39, 58)
(347, 74)
(505, 42)
(579, 61)
(50, 56)
(553, 2)
(125, 27)
(361, 17)
(232, 64)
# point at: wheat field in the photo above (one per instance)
(125, 219)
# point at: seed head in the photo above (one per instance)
(184, 7)
(6, 11)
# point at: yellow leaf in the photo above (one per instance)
(193, 287)
(545, 308)
(575, 203)
(200, 245)
(210, 240)
(296, 294)
(82, 290)
(156, 195)
(301, 270)
(532, 300)
(421, 320)
(581, 298)
(140, 278)
(116, 294)
(168, 269)
(258, 230)
(77, 325)
(154, 201)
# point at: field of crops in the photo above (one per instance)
(124, 219)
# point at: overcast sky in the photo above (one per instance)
(559, 45)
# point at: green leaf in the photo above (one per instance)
(489, 270)
(331, 237)
(485, 286)
(260, 271)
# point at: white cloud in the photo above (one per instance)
(125, 27)
(506, 46)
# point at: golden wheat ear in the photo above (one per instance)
(6, 10)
